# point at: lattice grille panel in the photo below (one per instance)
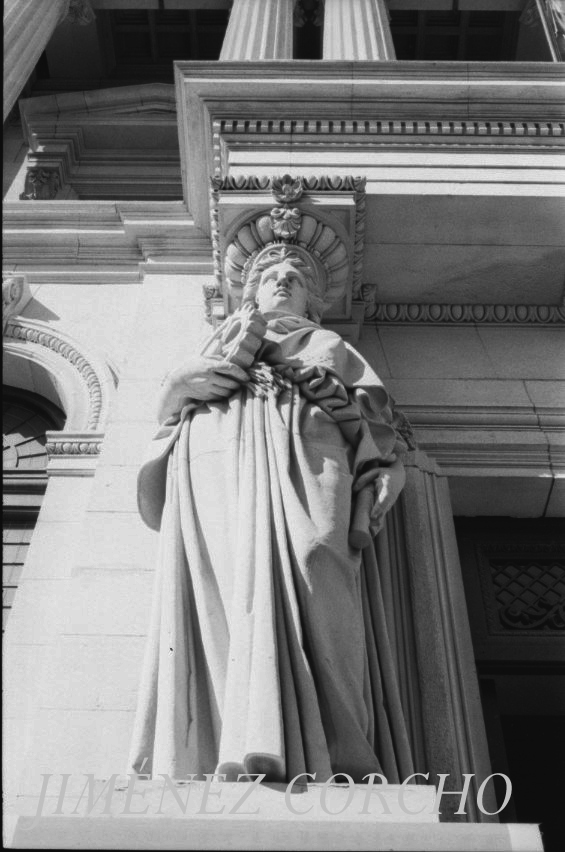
(530, 593)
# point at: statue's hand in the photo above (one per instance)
(373, 502)
(203, 378)
(389, 484)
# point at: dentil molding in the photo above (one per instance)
(226, 112)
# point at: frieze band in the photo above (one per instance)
(407, 314)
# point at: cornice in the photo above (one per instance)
(419, 72)
(511, 460)
(490, 440)
(93, 237)
(471, 418)
(322, 104)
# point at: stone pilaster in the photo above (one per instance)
(428, 625)
(28, 26)
(259, 29)
(357, 29)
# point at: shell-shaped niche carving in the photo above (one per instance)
(316, 237)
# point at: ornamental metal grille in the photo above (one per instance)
(530, 593)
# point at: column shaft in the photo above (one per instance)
(259, 29)
(357, 29)
(28, 26)
(428, 624)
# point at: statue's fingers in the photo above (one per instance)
(224, 382)
(233, 371)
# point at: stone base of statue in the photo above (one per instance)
(233, 816)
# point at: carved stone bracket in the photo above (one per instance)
(322, 215)
(41, 184)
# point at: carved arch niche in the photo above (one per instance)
(45, 361)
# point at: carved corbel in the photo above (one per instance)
(41, 184)
(323, 216)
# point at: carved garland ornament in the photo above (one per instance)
(78, 12)
(78, 447)
(61, 346)
(406, 314)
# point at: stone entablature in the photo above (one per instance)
(450, 140)
(61, 240)
(221, 109)
(111, 143)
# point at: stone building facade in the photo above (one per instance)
(433, 132)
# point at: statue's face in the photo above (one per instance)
(283, 288)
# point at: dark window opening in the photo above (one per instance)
(26, 417)
(514, 576)
(147, 42)
(455, 36)
(307, 41)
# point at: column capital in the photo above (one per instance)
(421, 460)
(78, 12)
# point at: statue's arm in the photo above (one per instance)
(202, 378)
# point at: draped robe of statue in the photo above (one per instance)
(268, 649)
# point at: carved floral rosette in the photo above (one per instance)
(289, 211)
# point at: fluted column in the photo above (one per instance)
(357, 29)
(28, 25)
(259, 29)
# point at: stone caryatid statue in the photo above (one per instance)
(268, 649)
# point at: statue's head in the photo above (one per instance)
(285, 279)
